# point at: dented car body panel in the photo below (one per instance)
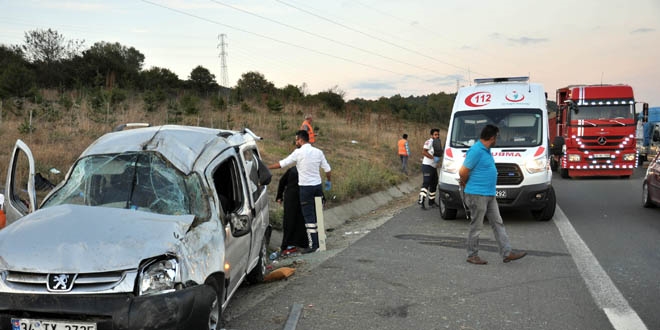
(170, 211)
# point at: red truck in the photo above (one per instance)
(593, 131)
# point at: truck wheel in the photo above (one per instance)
(646, 200)
(548, 211)
(554, 165)
(446, 213)
(259, 272)
(564, 173)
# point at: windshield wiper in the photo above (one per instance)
(461, 144)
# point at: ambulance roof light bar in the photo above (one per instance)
(501, 79)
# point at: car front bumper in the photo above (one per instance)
(183, 309)
(532, 197)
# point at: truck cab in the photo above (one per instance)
(519, 109)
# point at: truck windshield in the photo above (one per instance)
(136, 180)
(624, 111)
(518, 127)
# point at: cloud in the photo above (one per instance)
(370, 85)
(527, 41)
(642, 30)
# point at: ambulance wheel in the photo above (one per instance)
(548, 211)
(446, 213)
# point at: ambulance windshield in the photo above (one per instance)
(518, 128)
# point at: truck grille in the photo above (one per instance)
(591, 142)
(508, 174)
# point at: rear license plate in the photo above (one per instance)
(35, 324)
(601, 155)
(500, 193)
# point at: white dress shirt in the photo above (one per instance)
(308, 160)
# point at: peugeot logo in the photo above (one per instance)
(60, 282)
(602, 140)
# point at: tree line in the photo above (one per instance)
(48, 60)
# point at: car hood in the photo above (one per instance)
(82, 239)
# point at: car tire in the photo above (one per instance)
(215, 321)
(548, 211)
(646, 199)
(445, 212)
(259, 271)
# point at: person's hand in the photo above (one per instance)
(328, 185)
(436, 159)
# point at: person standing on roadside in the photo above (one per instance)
(429, 172)
(404, 153)
(293, 222)
(307, 127)
(308, 160)
(478, 179)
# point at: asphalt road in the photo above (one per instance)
(405, 268)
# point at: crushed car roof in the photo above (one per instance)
(181, 145)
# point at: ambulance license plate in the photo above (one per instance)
(35, 324)
(500, 193)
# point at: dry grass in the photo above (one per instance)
(361, 149)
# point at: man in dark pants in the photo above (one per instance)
(429, 171)
(308, 159)
(478, 178)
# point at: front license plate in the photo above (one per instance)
(500, 193)
(34, 324)
(601, 155)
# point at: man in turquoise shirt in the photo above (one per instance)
(478, 179)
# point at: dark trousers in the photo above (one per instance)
(307, 194)
(429, 184)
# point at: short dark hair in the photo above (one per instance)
(488, 132)
(433, 130)
(303, 135)
(405, 136)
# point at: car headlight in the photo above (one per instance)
(629, 157)
(158, 276)
(574, 158)
(450, 166)
(536, 165)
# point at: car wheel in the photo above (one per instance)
(646, 199)
(215, 321)
(446, 213)
(548, 211)
(259, 272)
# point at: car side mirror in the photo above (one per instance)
(240, 224)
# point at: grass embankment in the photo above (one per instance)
(361, 148)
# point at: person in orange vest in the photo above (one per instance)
(307, 126)
(404, 153)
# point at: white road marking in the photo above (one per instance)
(602, 289)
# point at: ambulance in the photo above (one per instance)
(519, 109)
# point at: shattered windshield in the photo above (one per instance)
(518, 127)
(137, 180)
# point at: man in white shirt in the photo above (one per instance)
(308, 160)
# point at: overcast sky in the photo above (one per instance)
(371, 48)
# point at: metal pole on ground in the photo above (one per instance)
(318, 204)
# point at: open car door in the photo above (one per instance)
(20, 194)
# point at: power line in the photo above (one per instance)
(273, 39)
(371, 36)
(325, 38)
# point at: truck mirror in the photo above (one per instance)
(645, 112)
(572, 106)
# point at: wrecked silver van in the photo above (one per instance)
(152, 228)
